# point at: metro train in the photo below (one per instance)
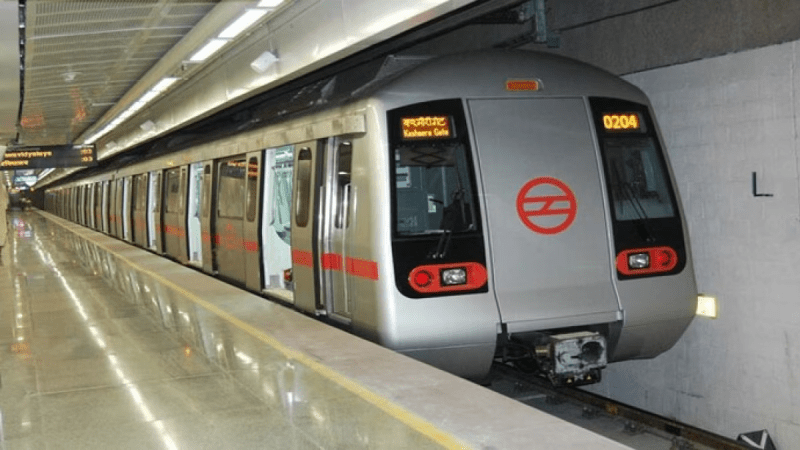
(508, 206)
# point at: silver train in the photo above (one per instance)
(496, 205)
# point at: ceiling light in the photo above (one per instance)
(242, 23)
(148, 126)
(269, 3)
(164, 84)
(207, 50)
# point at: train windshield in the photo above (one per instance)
(638, 183)
(433, 187)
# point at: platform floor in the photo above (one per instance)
(83, 366)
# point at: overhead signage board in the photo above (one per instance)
(49, 157)
(25, 180)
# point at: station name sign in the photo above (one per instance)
(49, 157)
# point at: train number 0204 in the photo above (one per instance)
(621, 121)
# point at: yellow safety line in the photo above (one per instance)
(402, 414)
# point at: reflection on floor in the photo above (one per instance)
(83, 366)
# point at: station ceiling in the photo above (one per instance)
(68, 68)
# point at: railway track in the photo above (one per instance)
(629, 425)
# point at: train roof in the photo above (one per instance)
(485, 73)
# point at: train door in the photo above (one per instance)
(305, 250)
(183, 214)
(545, 212)
(252, 222)
(140, 209)
(112, 207)
(90, 205)
(98, 205)
(81, 193)
(229, 218)
(193, 237)
(86, 193)
(335, 221)
(125, 204)
(173, 202)
(206, 223)
(276, 214)
(154, 214)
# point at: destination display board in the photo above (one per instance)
(426, 127)
(49, 157)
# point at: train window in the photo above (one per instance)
(157, 196)
(637, 181)
(636, 173)
(182, 198)
(434, 188)
(303, 206)
(230, 195)
(206, 190)
(172, 191)
(135, 193)
(252, 189)
(344, 166)
(140, 192)
(433, 192)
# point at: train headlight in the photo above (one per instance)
(707, 306)
(639, 261)
(454, 277)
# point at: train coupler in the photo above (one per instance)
(569, 359)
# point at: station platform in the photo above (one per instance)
(107, 346)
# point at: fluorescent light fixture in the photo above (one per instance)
(269, 3)
(164, 84)
(45, 173)
(707, 306)
(207, 50)
(242, 23)
(264, 62)
(148, 126)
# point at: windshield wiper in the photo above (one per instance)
(450, 220)
(626, 190)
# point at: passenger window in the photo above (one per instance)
(182, 198)
(207, 190)
(158, 194)
(230, 196)
(142, 193)
(344, 166)
(173, 191)
(252, 189)
(303, 201)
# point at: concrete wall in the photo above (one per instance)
(626, 36)
(723, 119)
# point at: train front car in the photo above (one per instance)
(535, 196)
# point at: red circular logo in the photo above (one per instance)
(546, 205)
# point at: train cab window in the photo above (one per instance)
(302, 211)
(636, 174)
(252, 188)
(230, 195)
(433, 188)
